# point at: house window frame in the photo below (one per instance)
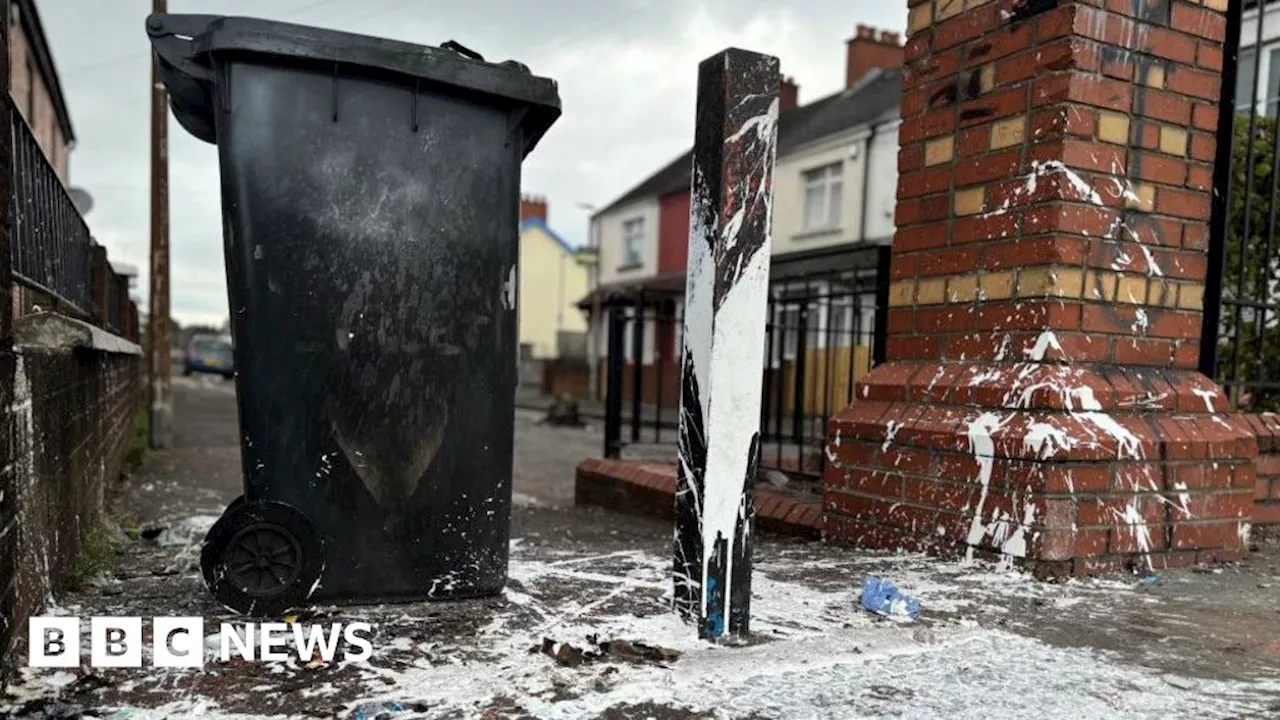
(828, 179)
(632, 244)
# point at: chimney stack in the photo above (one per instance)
(788, 94)
(533, 206)
(870, 49)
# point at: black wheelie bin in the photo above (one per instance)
(370, 195)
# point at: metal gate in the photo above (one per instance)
(1240, 344)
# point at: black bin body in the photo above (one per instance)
(370, 194)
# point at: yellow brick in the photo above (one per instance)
(1162, 293)
(1068, 283)
(1219, 5)
(902, 293)
(987, 78)
(920, 17)
(940, 150)
(1143, 197)
(1050, 282)
(1113, 128)
(969, 201)
(1009, 132)
(1173, 140)
(931, 291)
(949, 8)
(1155, 76)
(1132, 289)
(963, 288)
(1191, 297)
(971, 4)
(1100, 286)
(996, 286)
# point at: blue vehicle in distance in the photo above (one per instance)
(209, 354)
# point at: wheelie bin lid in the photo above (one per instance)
(186, 43)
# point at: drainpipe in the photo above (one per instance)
(866, 186)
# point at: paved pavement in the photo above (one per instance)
(592, 588)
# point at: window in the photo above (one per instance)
(632, 243)
(789, 323)
(1266, 100)
(822, 190)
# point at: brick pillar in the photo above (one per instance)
(1040, 401)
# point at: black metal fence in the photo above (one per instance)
(824, 330)
(1240, 344)
(49, 243)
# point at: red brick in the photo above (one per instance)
(1200, 177)
(1205, 117)
(1206, 534)
(1143, 351)
(986, 168)
(1195, 236)
(912, 348)
(1196, 83)
(982, 228)
(1101, 92)
(1198, 21)
(950, 497)
(1092, 221)
(1203, 146)
(1183, 203)
(966, 26)
(973, 141)
(1209, 56)
(1169, 45)
(937, 66)
(993, 106)
(1128, 539)
(924, 182)
(931, 124)
(1051, 90)
(944, 319)
(1164, 106)
(999, 44)
(1043, 250)
(911, 158)
(1155, 167)
(948, 262)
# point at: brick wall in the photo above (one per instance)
(67, 416)
(31, 96)
(1266, 497)
(1040, 401)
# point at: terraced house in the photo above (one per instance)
(834, 194)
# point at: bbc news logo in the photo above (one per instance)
(55, 642)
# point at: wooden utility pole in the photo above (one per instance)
(726, 291)
(160, 375)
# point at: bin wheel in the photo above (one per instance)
(262, 558)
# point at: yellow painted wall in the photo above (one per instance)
(551, 283)
(818, 398)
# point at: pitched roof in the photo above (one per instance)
(871, 98)
(542, 225)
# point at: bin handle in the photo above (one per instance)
(172, 37)
(462, 50)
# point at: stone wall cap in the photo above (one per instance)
(53, 331)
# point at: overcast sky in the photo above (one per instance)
(626, 69)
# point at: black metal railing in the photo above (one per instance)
(824, 330)
(49, 243)
(117, 296)
(1240, 343)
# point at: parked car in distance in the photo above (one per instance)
(209, 354)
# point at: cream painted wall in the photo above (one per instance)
(850, 150)
(608, 228)
(551, 284)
